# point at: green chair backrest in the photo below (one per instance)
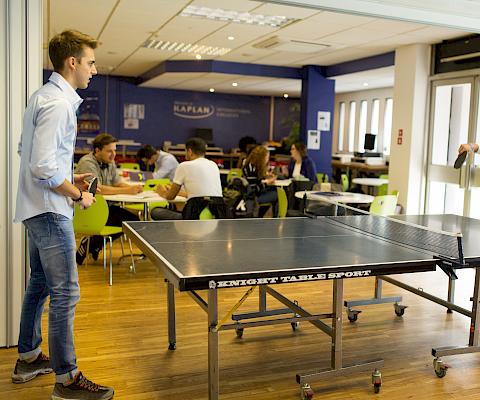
(151, 184)
(234, 173)
(345, 182)
(395, 193)
(384, 205)
(321, 177)
(90, 221)
(383, 189)
(206, 214)
(130, 165)
(282, 202)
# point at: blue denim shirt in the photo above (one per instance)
(46, 149)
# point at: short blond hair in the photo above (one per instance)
(69, 43)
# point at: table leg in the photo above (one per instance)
(172, 337)
(213, 364)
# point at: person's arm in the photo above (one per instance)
(122, 188)
(468, 147)
(310, 170)
(169, 192)
(68, 189)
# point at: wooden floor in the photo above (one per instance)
(121, 340)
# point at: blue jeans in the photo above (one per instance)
(51, 243)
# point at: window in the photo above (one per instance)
(351, 125)
(362, 128)
(341, 125)
(387, 126)
(375, 117)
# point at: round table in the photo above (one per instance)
(371, 182)
(144, 197)
(336, 197)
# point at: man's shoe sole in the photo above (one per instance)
(28, 377)
(54, 397)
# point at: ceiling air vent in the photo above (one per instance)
(291, 45)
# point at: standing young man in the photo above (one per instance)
(47, 191)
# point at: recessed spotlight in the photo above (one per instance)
(285, 95)
(211, 90)
(198, 56)
(231, 37)
(365, 84)
(234, 84)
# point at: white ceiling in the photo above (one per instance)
(122, 26)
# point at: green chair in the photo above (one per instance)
(282, 202)
(234, 173)
(384, 205)
(395, 193)
(130, 165)
(345, 182)
(383, 189)
(150, 184)
(322, 178)
(206, 214)
(92, 221)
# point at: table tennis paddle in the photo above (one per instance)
(460, 160)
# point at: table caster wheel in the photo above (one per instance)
(172, 346)
(352, 314)
(306, 392)
(440, 367)
(399, 309)
(239, 332)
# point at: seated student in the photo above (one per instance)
(301, 164)
(201, 179)
(255, 170)
(101, 164)
(164, 164)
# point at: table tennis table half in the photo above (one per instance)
(220, 254)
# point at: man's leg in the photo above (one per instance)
(31, 361)
(52, 235)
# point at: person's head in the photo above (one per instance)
(195, 148)
(259, 157)
(148, 154)
(72, 56)
(245, 142)
(105, 148)
(298, 151)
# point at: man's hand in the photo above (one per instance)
(162, 190)
(466, 147)
(87, 200)
(80, 182)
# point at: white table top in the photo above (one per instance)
(370, 181)
(336, 197)
(282, 182)
(144, 197)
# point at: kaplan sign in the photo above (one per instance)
(192, 111)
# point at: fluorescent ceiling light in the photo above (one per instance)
(198, 56)
(231, 37)
(219, 14)
(234, 84)
(285, 95)
(185, 47)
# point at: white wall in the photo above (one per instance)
(20, 75)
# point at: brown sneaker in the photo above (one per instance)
(25, 371)
(81, 389)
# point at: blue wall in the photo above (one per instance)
(230, 116)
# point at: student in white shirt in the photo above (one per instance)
(201, 181)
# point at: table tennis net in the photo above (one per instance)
(439, 243)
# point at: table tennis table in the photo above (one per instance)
(214, 255)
